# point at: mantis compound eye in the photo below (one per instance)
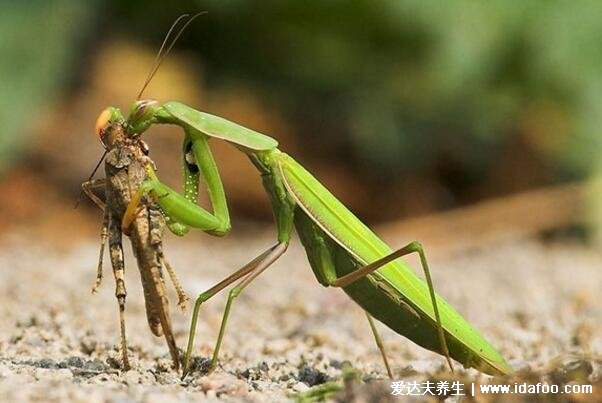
(141, 115)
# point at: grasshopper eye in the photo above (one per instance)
(107, 118)
(102, 122)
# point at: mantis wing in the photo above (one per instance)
(214, 126)
(365, 246)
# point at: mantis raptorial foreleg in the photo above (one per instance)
(180, 210)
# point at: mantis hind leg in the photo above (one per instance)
(320, 256)
(412, 247)
(379, 344)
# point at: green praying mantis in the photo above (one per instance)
(342, 251)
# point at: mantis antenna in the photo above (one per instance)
(163, 51)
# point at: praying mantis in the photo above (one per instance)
(341, 250)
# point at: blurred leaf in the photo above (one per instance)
(39, 42)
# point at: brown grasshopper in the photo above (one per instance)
(126, 166)
(126, 158)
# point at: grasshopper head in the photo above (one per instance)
(107, 120)
(142, 115)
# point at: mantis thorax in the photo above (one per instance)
(264, 161)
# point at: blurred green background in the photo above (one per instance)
(424, 105)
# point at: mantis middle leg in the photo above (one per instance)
(248, 273)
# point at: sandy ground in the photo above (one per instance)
(539, 303)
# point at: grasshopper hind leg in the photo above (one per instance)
(116, 252)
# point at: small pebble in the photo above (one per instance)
(63, 374)
(5, 371)
(277, 346)
(132, 378)
(76, 362)
(300, 387)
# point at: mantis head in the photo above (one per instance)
(142, 115)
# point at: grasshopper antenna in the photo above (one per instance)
(163, 51)
(81, 192)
